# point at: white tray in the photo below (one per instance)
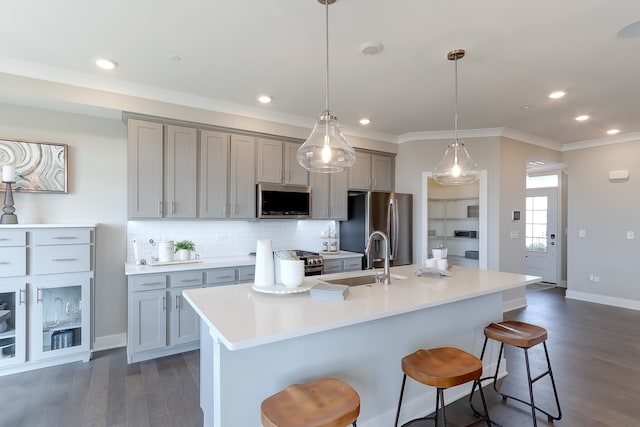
(282, 289)
(191, 261)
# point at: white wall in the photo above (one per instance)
(606, 211)
(96, 194)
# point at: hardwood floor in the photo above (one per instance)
(594, 350)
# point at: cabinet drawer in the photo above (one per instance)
(61, 259)
(352, 264)
(13, 262)
(333, 266)
(147, 282)
(246, 274)
(187, 278)
(222, 275)
(61, 236)
(13, 238)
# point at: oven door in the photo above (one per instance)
(315, 270)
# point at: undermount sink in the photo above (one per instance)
(366, 279)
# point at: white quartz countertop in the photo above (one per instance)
(340, 255)
(207, 263)
(241, 317)
(204, 264)
(47, 226)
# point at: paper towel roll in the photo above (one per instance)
(264, 275)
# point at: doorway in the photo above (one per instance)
(541, 235)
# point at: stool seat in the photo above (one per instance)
(516, 333)
(442, 367)
(327, 402)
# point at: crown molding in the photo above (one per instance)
(609, 140)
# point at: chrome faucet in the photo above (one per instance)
(386, 277)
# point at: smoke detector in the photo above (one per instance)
(370, 48)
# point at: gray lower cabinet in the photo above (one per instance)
(340, 265)
(160, 321)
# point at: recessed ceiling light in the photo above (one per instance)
(365, 121)
(264, 99)
(557, 94)
(613, 131)
(106, 64)
(582, 118)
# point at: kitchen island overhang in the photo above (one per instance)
(253, 345)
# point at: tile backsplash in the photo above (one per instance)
(228, 238)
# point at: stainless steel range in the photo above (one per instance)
(313, 261)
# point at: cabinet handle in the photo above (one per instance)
(4, 238)
(38, 295)
(225, 277)
(151, 283)
(160, 207)
(177, 302)
(64, 237)
(189, 280)
(164, 303)
(64, 259)
(173, 206)
(5, 263)
(21, 301)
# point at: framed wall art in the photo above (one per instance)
(40, 166)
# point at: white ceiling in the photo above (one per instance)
(517, 52)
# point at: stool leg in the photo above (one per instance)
(404, 380)
(479, 381)
(440, 398)
(533, 405)
(553, 383)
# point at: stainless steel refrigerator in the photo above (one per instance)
(390, 213)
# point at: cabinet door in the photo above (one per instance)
(59, 317)
(147, 320)
(339, 195)
(242, 182)
(320, 195)
(381, 173)
(352, 264)
(13, 323)
(294, 174)
(270, 154)
(332, 266)
(184, 321)
(360, 172)
(180, 172)
(144, 169)
(214, 170)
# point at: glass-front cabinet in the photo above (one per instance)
(13, 322)
(62, 324)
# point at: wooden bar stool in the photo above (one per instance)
(525, 336)
(441, 368)
(326, 402)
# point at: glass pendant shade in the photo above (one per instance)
(326, 150)
(456, 167)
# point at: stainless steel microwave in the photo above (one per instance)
(275, 201)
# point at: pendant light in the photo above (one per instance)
(326, 150)
(456, 167)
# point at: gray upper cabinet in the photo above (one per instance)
(278, 163)
(329, 195)
(371, 172)
(144, 169)
(242, 177)
(227, 176)
(180, 178)
(161, 170)
(214, 171)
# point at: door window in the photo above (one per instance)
(536, 224)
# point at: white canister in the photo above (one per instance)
(439, 253)
(291, 272)
(165, 251)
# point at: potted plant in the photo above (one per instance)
(184, 248)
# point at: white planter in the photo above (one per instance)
(183, 255)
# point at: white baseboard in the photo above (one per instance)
(514, 304)
(108, 342)
(603, 299)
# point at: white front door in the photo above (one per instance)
(541, 240)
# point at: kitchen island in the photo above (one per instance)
(258, 344)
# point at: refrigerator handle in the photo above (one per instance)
(393, 238)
